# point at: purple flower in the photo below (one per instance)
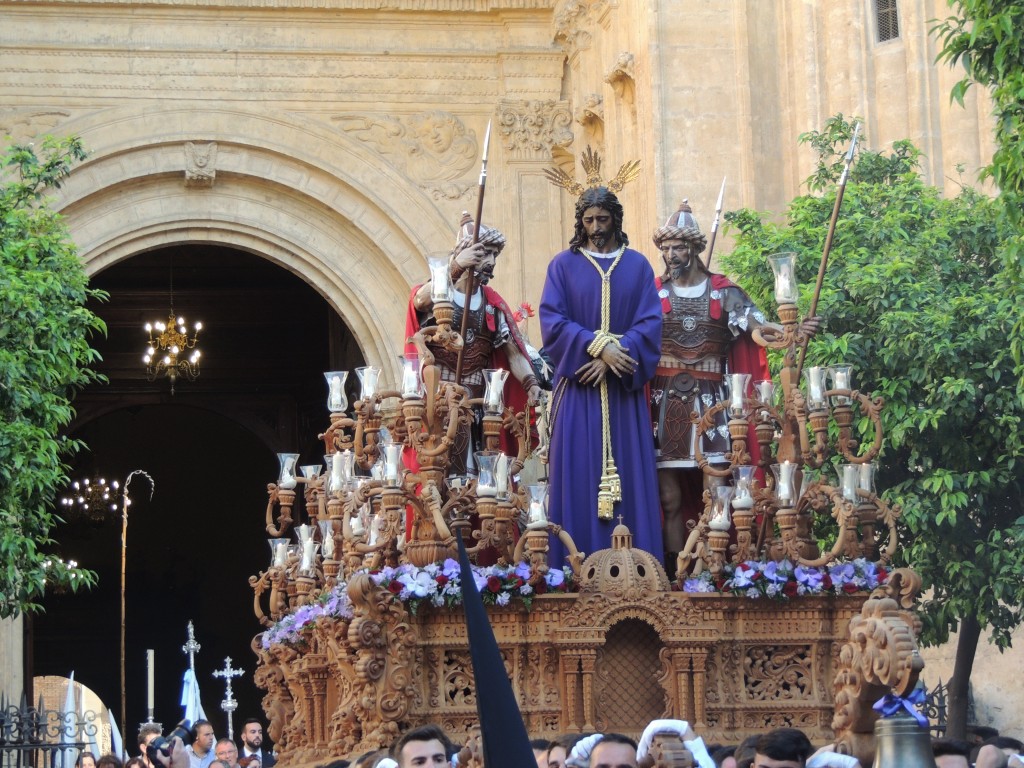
(523, 570)
(808, 578)
(841, 573)
(555, 578)
(451, 568)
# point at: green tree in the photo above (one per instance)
(914, 297)
(986, 37)
(44, 359)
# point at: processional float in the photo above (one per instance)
(348, 662)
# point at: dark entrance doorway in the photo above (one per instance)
(210, 448)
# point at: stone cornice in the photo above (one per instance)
(416, 6)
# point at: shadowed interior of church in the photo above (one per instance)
(210, 449)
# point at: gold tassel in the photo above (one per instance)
(605, 499)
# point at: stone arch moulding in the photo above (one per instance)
(297, 192)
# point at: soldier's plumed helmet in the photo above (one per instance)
(681, 225)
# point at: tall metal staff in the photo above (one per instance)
(828, 244)
(714, 224)
(471, 285)
(125, 503)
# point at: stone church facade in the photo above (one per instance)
(341, 139)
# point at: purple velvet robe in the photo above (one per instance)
(570, 312)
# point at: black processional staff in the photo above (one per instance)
(828, 244)
(471, 281)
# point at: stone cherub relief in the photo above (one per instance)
(200, 163)
(433, 148)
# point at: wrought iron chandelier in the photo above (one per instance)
(92, 498)
(168, 343)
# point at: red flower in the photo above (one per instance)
(493, 584)
(850, 588)
(541, 588)
(441, 580)
(720, 585)
(394, 587)
(756, 576)
(789, 589)
(826, 581)
(882, 575)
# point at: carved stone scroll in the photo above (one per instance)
(532, 129)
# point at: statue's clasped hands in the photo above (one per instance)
(613, 357)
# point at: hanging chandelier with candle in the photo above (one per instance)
(93, 499)
(171, 351)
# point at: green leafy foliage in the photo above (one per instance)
(914, 298)
(986, 37)
(44, 359)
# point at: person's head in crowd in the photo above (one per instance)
(724, 757)
(744, 754)
(109, 761)
(1007, 745)
(86, 760)
(135, 762)
(226, 751)
(147, 732)
(219, 764)
(423, 747)
(339, 763)
(252, 734)
(540, 751)
(613, 751)
(559, 750)
(951, 753)
(782, 748)
(978, 734)
(202, 737)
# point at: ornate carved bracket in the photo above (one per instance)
(533, 129)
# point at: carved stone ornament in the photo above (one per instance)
(592, 110)
(200, 163)
(429, 147)
(532, 129)
(623, 71)
(575, 20)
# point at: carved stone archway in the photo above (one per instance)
(299, 194)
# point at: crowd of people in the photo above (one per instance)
(200, 749)
(429, 746)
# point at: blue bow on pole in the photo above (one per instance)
(890, 704)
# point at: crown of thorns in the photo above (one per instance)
(591, 162)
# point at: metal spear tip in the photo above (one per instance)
(487, 141)
(721, 197)
(853, 143)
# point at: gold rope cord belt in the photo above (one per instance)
(609, 490)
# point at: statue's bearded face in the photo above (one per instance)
(485, 270)
(678, 255)
(599, 226)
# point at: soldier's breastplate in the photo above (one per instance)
(688, 332)
(477, 345)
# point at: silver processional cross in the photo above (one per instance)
(229, 705)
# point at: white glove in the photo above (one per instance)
(387, 762)
(680, 727)
(832, 760)
(581, 749)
